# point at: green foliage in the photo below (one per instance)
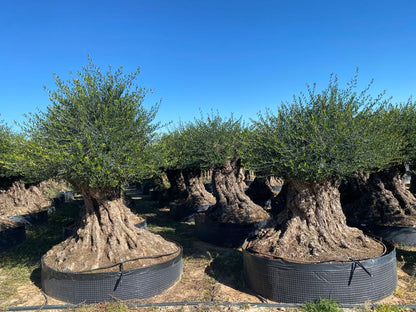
(96, 131)
(405, 119)
(9, 142)
(325, 136)
(322, 305)
(206, 143)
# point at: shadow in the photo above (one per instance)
(227, 269)
(409, 259)
(35, 277)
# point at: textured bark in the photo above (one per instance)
(379, 198)
(107, 236)
(232, 204)
(315, 229)
(197, 194)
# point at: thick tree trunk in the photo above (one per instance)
(232, 204)
(315, 230)
(107, 236)
(380, 198)
(197, 194)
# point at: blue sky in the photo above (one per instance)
(230, 56)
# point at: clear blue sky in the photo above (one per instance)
(230, 56)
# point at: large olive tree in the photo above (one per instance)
(313, 142)
(214, 142)
(96, 134)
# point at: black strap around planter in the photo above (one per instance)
(354, 265)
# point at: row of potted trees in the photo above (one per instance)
(97, 135)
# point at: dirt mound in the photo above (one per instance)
(19, 200)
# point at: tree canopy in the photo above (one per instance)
(326, 136)
(96, 132)
(207, 142)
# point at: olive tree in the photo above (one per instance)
(97, 135)
(9, 143)
(186, 185)
(214, 142)
(381, 197)
(312, 143)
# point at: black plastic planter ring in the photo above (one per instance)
(224, 234)
(139, 283)
(401, 235)
(346, 282)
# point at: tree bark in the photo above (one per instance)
(107, 236)
(315, 228)
(232, 204)
(379, 198)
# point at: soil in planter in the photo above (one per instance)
(232, 204)
(108, 236)
(380, 198)
(19, 200)
(312, 228)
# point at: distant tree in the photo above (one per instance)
(9, 142)
(185, 176)
(312, 143)
(216, 143)
(97, 135)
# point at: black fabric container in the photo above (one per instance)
(31, 219)
(89, 288)
(224, 234)
(11, 237)
(401, 235)
(346, 282)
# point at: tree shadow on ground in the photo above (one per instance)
(227, 268)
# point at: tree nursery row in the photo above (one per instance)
(342, 157)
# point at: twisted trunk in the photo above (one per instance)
(232, 204)
(107, 236)
(379, 198)
(315, 228)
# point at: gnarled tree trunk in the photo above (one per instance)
(315, 228)
(233, 205)
(379, 198)
(197, 194)
(107, 236)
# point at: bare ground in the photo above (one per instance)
(210, 274)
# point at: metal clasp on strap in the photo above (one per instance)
(120, 276)
(354, 265)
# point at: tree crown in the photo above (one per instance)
(325, 136)
(96, 131)
(205, 143)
